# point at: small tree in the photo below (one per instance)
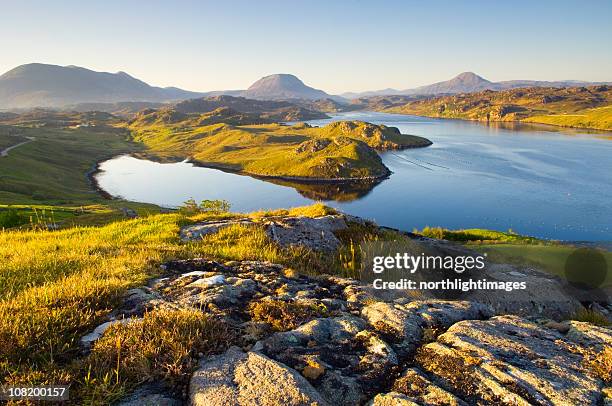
(215, 206)
(190, 207)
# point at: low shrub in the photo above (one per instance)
(285, 316)
(12, 218)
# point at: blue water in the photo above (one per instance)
(535, 180)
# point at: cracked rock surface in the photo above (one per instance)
(355, 350)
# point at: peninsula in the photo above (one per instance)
(249, 143)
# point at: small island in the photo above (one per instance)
(251, 144)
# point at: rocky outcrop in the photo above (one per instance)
(512, 361)
(409, 324)
(329, 340)
(355, 349)
(197, 231)
(239, 378)
(314, 233)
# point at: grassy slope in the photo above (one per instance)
(10, 140)
(599, 118)
(276, 150)
(49, 300)
(576, 107)
(52, 169)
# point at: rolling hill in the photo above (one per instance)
(583, 107)
(250, 144)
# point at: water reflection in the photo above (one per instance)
(331, 191)
(499, 176)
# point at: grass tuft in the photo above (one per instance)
(591, 316)
(164, 344)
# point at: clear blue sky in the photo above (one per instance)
(336, 46)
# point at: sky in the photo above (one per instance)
(336, 46)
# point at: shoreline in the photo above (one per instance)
(93, 181)
(95, 170)
(522, 122)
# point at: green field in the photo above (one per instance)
(52, 169)
(509, 247)
(599, 118)
(549, 258)
(45, 183)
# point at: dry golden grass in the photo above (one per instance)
(164, 344)
(591, 316)
(57, 286)
(314, 210)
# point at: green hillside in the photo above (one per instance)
(582, 107)
(338, 151)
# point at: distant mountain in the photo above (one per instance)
(465, 82)
(42, 85)
(282, 86)
(469, 82)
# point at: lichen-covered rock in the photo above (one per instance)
(409, 323)
(589, 336)
(345, 347)
(322, 330)
(238, 378)
(392, 399)
(416, 385)
(314, 233)
(355, 361)
(510, 361)
(197, 231)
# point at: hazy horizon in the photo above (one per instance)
(339, 47)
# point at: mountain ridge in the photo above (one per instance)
(38, 85)
(468, 82)
(44, 85)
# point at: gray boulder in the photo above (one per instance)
(314, 233)
(239, 378)
(409, 323)
(197, 231)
